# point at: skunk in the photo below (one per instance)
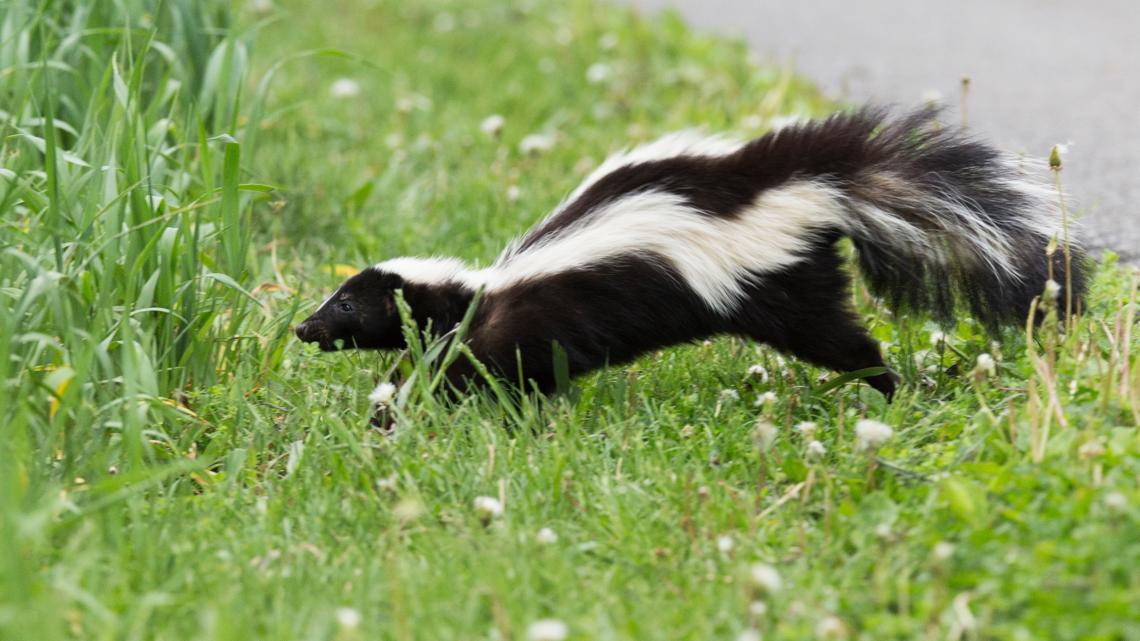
(691, 236)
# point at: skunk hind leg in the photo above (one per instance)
(804, 312)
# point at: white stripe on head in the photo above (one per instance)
(432, 271)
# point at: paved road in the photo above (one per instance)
(1042, 72)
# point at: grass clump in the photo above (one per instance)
(181, 180)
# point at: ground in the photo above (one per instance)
(175, 465)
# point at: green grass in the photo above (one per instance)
(179, 186)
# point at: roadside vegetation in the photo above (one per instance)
(181, 181)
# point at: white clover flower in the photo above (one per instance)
(805, 428)
(547, 630)
(513, 193)
(344, 88)
(348, 618)
(765, 435)
(1116, 501)
(937, 338)
(765, 578)
(758, 371)
(942, 551)
(986, 364)
(1052, 289)
(492, 125)
(535, 143)
(816, 450)
(383, 394)
(546, 536)
(597, 73)
(870, 435)
(883, 531)
(608, 41)
(725, 544)
(728, 395)
(767, 398)
(830, 627)
(749, 634)
(407, 510)
(488, 507)
(758, 608)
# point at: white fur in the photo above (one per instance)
(429, 271)
(689, 142)
(717, 256)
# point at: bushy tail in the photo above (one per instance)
(938, 217)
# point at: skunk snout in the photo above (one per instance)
(306, 331)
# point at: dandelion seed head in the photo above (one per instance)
(344, 88)
(348, 618)
(749, 634)
(765, 578)
(766, 399)
(725, 543)
(806, 428)
(831, 627)
(547, 630)
(871, 435)
(942, 551)
(815, 450)
(764, 435)
(488, 507)
(729, 395)
(1052, 289)
(1116, 501)
(598, 72)
(986, 364)
(492, 124)
(383, 394)
(546, 536)
(535, 143)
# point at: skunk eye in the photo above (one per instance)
(345, 307)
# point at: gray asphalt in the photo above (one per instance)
(1041, 72)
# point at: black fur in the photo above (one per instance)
(630, 304)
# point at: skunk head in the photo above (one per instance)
(360, 313)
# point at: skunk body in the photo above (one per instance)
(689, 237)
